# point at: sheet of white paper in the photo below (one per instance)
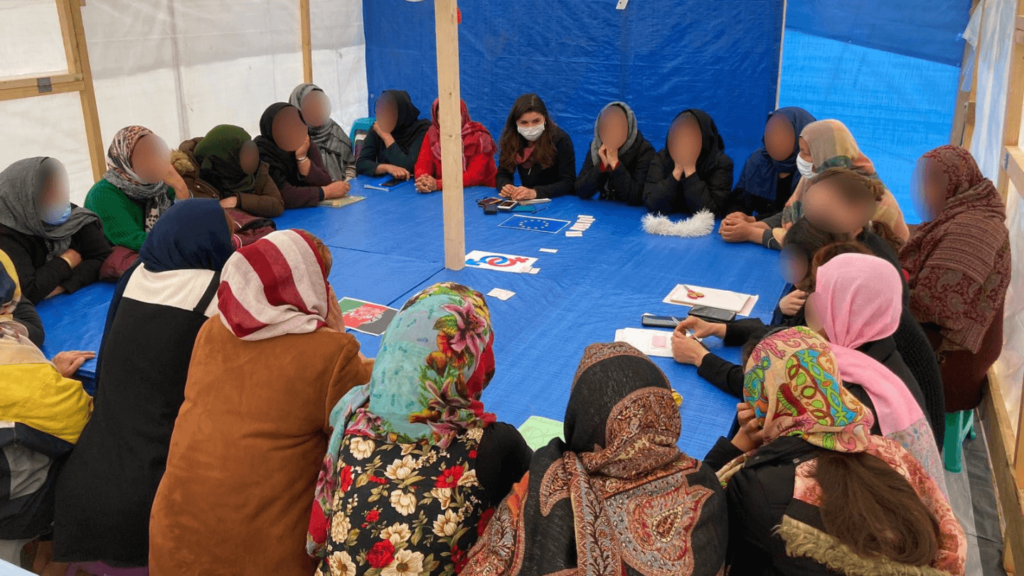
(499, 262)
(747, 309)
(549, 250)
(690, 295)
(650, 342)
(584, 217)
(533, 271)
(501, 294)
(574, 233)
(579, 227)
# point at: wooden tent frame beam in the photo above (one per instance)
(450, 111)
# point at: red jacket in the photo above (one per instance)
(480, 170)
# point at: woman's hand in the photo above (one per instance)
(336, 189)
(72, 257)
(700, 328)
(426, 183)
(67, 363)
(686, 349)
(793, 302)
(524, 193)
(750, 435)
(175, 181)
(739, 217)
(229, 202)
(303, 150)
(397, 172)
(385, 137)
(507, 190)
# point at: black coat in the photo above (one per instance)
(706, 189)
(623, 184)
(38, 277)
(556, 180)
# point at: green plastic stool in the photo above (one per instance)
(959, 425)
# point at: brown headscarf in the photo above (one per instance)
(959, 263)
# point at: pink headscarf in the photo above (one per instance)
(273, 287)
(858, 299)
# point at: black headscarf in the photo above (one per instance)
(712, 145)
(282, 164)
(191, 235)
(410, 126)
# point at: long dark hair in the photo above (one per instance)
(512, 142)
(871, 508)
(858, 188)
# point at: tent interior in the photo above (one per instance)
(905, 77)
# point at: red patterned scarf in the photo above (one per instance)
(476, 139)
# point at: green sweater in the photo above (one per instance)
(122, 217)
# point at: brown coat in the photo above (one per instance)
(246, 451)
(266, 201)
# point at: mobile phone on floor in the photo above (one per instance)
(653, 321)
(712, 314)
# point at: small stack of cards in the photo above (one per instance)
(583, 222)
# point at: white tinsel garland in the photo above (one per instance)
(700, 224)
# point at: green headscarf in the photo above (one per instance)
(219, 157)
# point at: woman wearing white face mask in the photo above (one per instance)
(541, 152)
(55, 247)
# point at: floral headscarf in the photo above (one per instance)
(120, 173)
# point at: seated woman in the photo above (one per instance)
(959, 267)
(334, 144)
(107, 487)
(140, 184)
(294, 159)
(619, 158)
(617, 496)
(533, 146)
(478, 150)
(55, 247)
(692, 173)
(394, 143)
(41, 417)
(811, 491)
(824, 145)
(770, 175)
(225, 165)
(419, 432)
(264, 376)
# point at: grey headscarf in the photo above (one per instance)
(631, 131)
(335, 146)
(20, 185)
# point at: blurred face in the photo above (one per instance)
(794, 263)
(151, 159)
(249, 157)
(686, 136)
(814, 312)
(289, 130)
(827, 208)
(530, 119)
(316, 108)
(805, 150)
(929, 189)
(779, 137)
(387, 114)
(613, 127)
(54, 200)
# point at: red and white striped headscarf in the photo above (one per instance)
(275, 286)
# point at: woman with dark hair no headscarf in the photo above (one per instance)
(959, 267)
(617, 497)
(692, 173)
(394, 144)
(619, 158)
(294, 159)
(55, 247)
(106, 490)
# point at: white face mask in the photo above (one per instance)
(806, 168)
(531, 133)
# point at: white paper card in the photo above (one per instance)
(650, 342)
(549, 250)
(574, 234)
(690, 295)
(499, 262)
(501, 294)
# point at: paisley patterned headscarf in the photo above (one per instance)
(120, 173)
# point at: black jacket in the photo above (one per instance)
(556, 180)
(26, 315)
(39, 276)
(707, 188)
(623, 184)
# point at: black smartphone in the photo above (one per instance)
(489, 202)
(712, 314)
(392, 183)
(490, 209)
(653, 321)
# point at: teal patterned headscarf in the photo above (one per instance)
(434, 362)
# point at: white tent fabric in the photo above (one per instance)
(177, 67)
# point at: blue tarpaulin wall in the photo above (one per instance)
(660, 56)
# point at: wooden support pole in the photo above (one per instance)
(307, 42)
(77, 54)
(1001, 443)
(450, 111)
(15, 88)
(1014, 103)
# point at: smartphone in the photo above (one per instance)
(653, 321)
(712, 314)
(490, 209)
(507, 205)
(489, 202)
(392, 183)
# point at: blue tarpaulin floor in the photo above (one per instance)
(389, 246)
